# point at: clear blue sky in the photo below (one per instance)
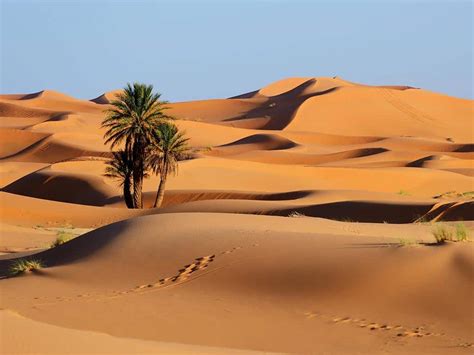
(202, 49)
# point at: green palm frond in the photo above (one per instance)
(120, 166)
(134, 115)
(170, 145)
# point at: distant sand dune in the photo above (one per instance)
(16, 141)
(107, 97)
(290, 158)
(16, 116)
(81, 189)
(50, 99)
(260, 142)
(48, 151)
(355, 211)
(369, 111)
(29, 211)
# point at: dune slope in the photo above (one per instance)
(295, 278)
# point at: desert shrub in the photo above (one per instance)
(403, 193)
(461, 232)
(468, 194)
(20, 266)
(442, 234)
(61, 238)
(407, 242)
(296, 214)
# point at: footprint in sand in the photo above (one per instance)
(183, 274)
(363, 323)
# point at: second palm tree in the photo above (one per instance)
(170, 145)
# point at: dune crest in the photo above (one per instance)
(107, 97)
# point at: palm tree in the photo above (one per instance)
(170, 145)
(133, 119)
(120, 167)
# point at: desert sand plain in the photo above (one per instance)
(302, 223)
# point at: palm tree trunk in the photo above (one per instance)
(137, 189)
(138, 171)
(161, 192)
(127, 193)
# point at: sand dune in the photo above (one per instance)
(273, 108)
(107, 97)
(17, 116)
(15, 141)
(50, 99)
(75, 341)
(282, 86)
(409, 113)
(85, 189)
(292, 158)
(365, 171)
(213, 111)
(28, 211)
(43, 94)
(293, 281)
(258, 142)
(52, 151)
(218, 173)
(355, 210)
(12, 171)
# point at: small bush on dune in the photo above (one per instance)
(61, 238)
(458, 233)
(442, 234)
(407, 242)
(296, 214)
(207, 148)
(468, 194)
(461, 232)
(21, 266)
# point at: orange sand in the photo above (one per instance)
(221, 268)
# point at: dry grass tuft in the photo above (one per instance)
(444, 233)
(61, 238)
(296, 214)
(21, 266)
